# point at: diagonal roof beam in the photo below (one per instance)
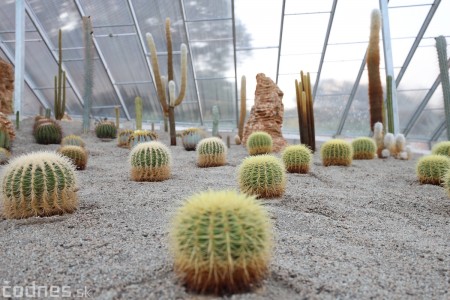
(102, 59)
(325, 45)
(233, 22)
(280, 41)
(438, 131)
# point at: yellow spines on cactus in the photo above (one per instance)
(441, 148)
(106, 130)
(73, 140)
(259, 142)
(211, 152)
(191, 137)
(78, 155)
(297, 158)
(141, 136)
(431, 169)
(364, 148)
(336, 152)
(123, 137)
(39, 184)
(150, 161)
(262, 175)
(221, 242)
(446, 182)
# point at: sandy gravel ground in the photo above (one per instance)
(360, 232)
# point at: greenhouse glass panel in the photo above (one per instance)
(151, 111)
(408, 101)
(220, 92)
(207, 9)
(308, 7)
(428, 121)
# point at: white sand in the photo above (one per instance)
(365, 231)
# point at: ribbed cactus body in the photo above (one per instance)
(259, 142)
(336, 152)
(76, 154)
(48, 133)
(191, 137)
(211, 152)
(7, 125)
(4, 156)
(5, 141)
(297, 158)
(106, 130)
(39, 184)
(141, 136)
(263, 176)
(364, 148)
(215, 114)
(441, 148)
(150, 161)
(431, 169)
(123, 136)
(221, 242)
(73, 140)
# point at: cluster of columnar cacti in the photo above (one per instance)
(297, 158)
(77, 154)
(305, 110)
(47, 131)
(364, 148)
(123, 136)
(259, 142)
(150, 161)
(106, 130)
(191, 137)
(60, 84)
(390, 145)
(336, 152)
(73, 140)
(432, 168)
(39, 184)
(221, 242)
(141, 136)
(211, 152)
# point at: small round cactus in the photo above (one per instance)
(263, 176)
(141, 136)
(4, 156)
(191, 137)
(73, 140)
(211, 152)
(297, 159)
(364, 148)
(48, 133)
(336, 152)
(431, 169)
(150, 161)
(441, 148)
(221, 242)
(259, 142)
(39, 184)
(106, 130)
(123, 136)
(76, 154)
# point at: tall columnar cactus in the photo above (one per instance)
(389, 105)
(259, 142)
(138, 108)
(5, 141)
(48, 133)
(297, 159)
(215, 114)
(168, 105)
(88, 72)
(441, 46)
(431, 169)
(221, 242)
(60, 84)
(364, 148)
(373, 68)
(141, 136)
(4, 156)
(211, 152)
(117, 112)
(441, 148)
(106, 130)
(39, 184)
(336, 152)
(243, 110)
(263, 176)
(73, 140)
(78, 155)
(150, 161)
(191, 137)
(7, 125)
(305, 110)
(123, 136)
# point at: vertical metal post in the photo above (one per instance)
(388, 61)
(19, 60)
(283, 9)
(233, 21)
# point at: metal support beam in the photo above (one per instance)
(183, 14)
(416, 43)
(280, 41)
(233, 24)
(325, 45)
(19, 63)
(105, 65)
(388, 60)
(438, 131)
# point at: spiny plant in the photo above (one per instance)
(4, 156)
(259, 142)
(262, 176)
(211, 152)
(7, 125)
(141, 136)
(336, 152)
(191, 137)
(242, 111)
(39, 184)
(88, 77)
(221, 242)
(78, 155)
(432, 168)
(150, 161)
(106, 130)
(48, 133)
(124, 135)
(378, 136)
(446, 181)
(297, 158)
(5, 141)
(364, 148)
(73, 140)
(441, 148)
(60, 84)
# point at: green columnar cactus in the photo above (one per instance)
(389, 105)
(124, 135)
(141, 136)
(259, 142)
(48, 133)
(138, 108)
(76, 154)
(441, 47)
(73, 140)
(60, 84)
(7, 125)
(297, 159)
(221, 242)
(48, 113)
(5, 141)
(211, 152)
(431, 169)
(4, 156)
(17, 120)
(215, 114)
(191, 137)
(88, 72)
(243, 111)
(39, 184)
(150, 161)
(336, 152)
(263, 176)
(364, 148)
(441, 148)
(117, 112)
(106, 130)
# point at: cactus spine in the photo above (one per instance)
(297, 159)
(73, 140)
(259, 142)
(243, 111)
(106, 130)
(141, 136)
(364, 148)
(138, 108)
(76, 154)
(88, 72)
(431, 169)
(336, 152)
(221, 242)
(150, 161)
(60, 84)
(441, 148)
(211, 152)
(441, 46)
(48, 133)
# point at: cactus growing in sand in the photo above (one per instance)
(73, 140)
(4, 156)
(441, 148)
(221, 242)
(243, 111)
(431, 169)
(78, 155)
(141, 136)
(150, 161)
(60, 84)
(259, 142)
(39, 184)
(297, 158)
(191, 137)
(48, 133)
(336, 152)
(211, 152)
(364, 148)
(123, 136)
(138, 108)
(106, 130)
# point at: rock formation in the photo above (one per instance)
(6, 87)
